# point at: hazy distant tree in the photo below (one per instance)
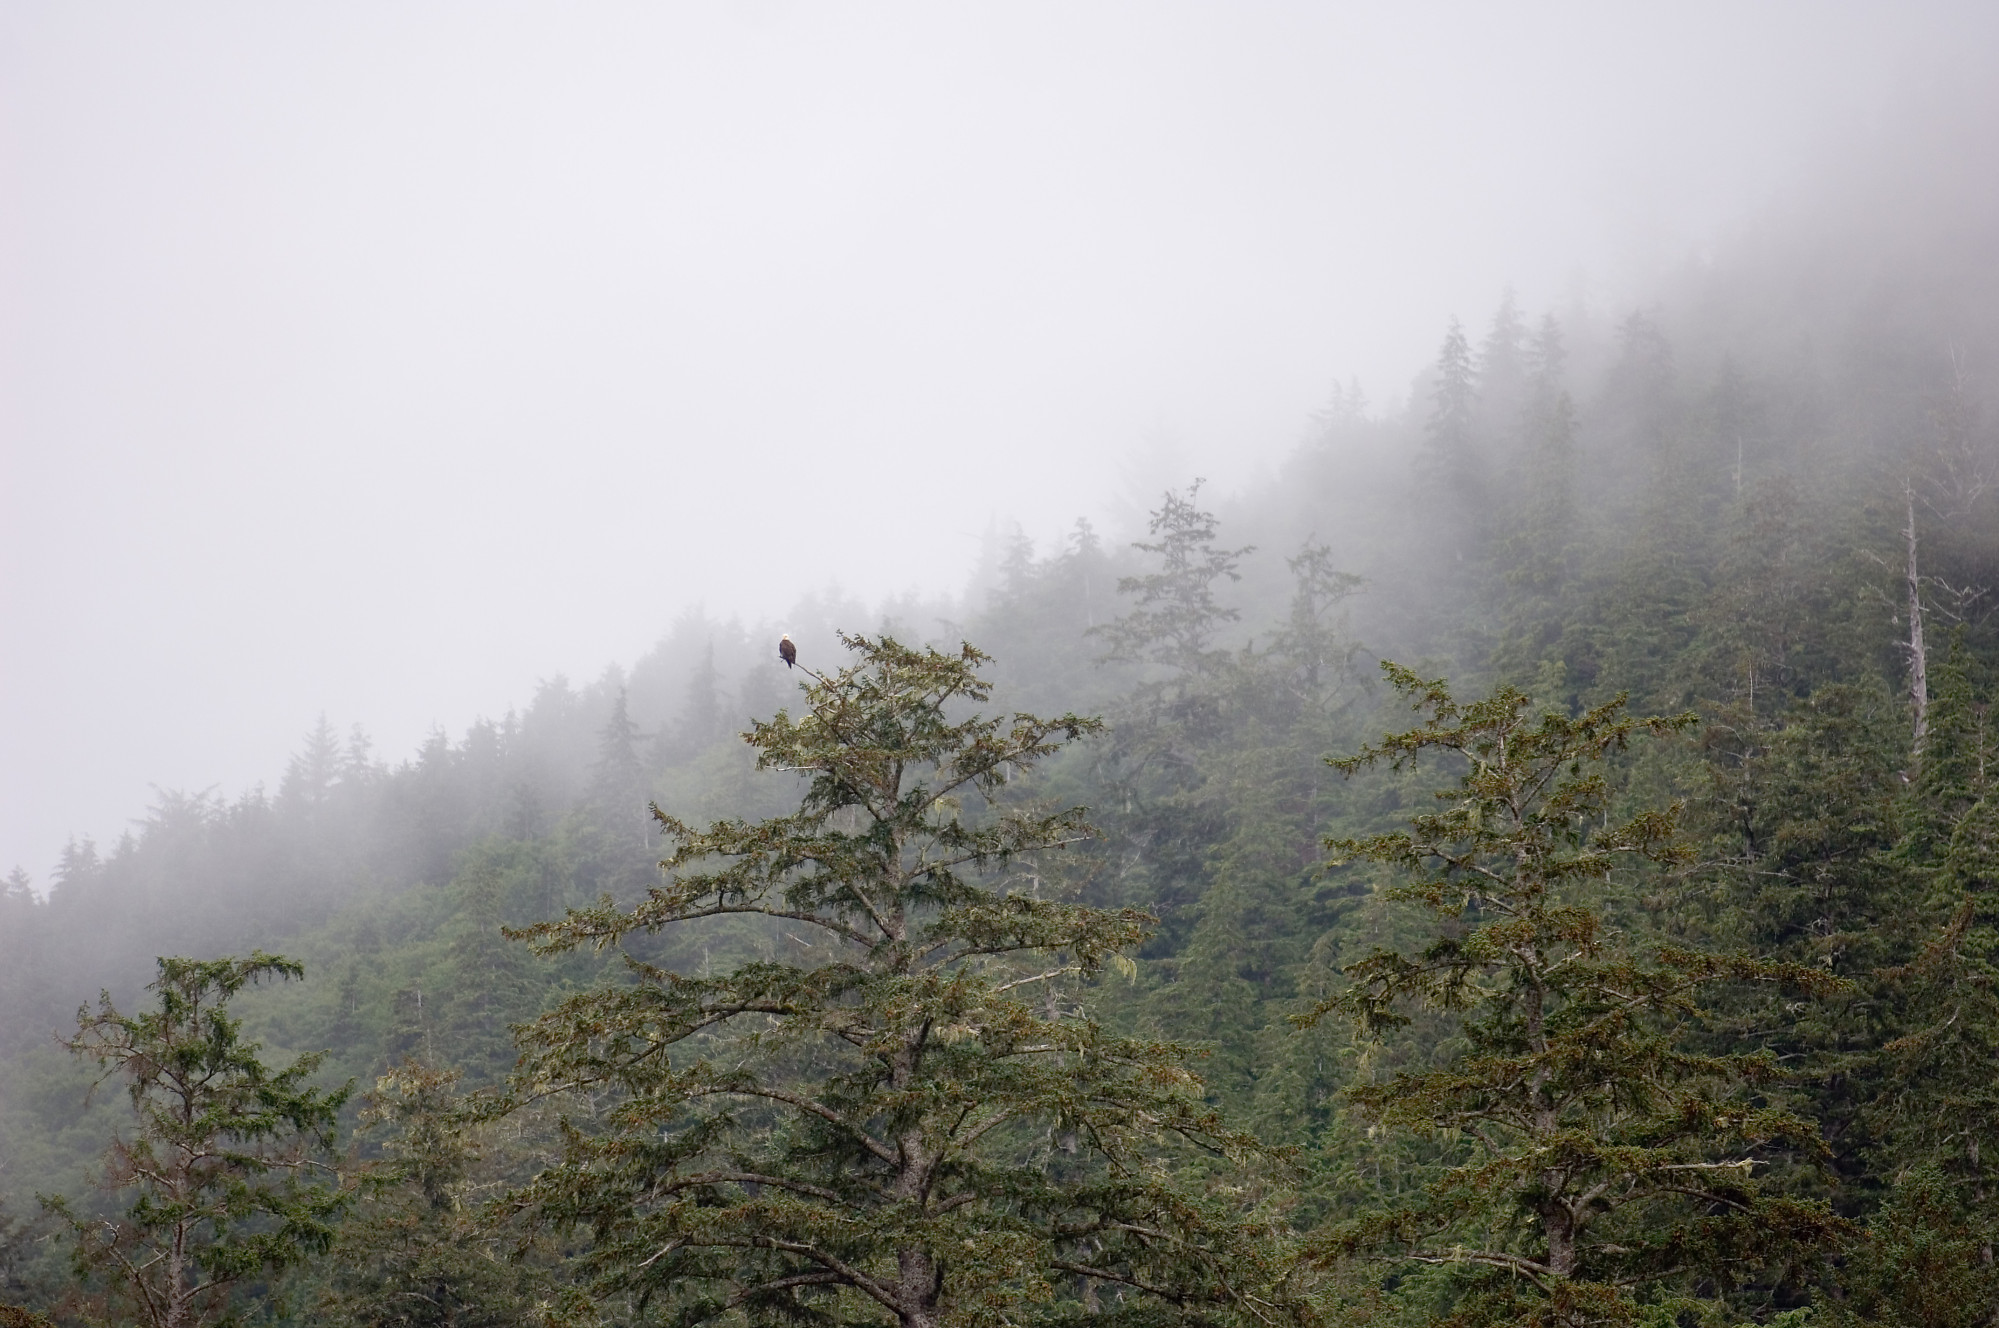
(1448, 443)
(703, 720)
(1502, 370)
(1017, 566)
(1345, 407)
(357, 759)
(221, 1180)
(1541, 555)
(617, 777)
(1312, 639)
(22, 965)
(1084, 561)
(614, 848)
(1640, 392)
(1594, 1155)
(1547, 358)
(79, 864)
(525, 816)
(312, 771)
(487, 984)
(1961, 467)
(908, 1117)
(1175, 615)
(1153, 766)
(1045, 610)
(1250, 924)
(408, 1036)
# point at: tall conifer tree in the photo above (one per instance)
(907, 1115)
(1596, 1161)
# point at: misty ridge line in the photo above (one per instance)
(1502, 378)
(210, 415)
(1718, 337)
(687, 667)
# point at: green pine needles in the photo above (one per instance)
(899, 1111)
(1593, 1162)
(224, 1180)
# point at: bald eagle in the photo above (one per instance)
(787, 651)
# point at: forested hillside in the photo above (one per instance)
(1685, 1020)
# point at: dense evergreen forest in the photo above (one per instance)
(1530, 860)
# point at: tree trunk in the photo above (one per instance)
(179, 1299)
(921, 1286)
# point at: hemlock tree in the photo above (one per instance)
(223, 1172)
(908, 1117)
(1597, 1162)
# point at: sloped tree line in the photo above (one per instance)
(1555, 1007)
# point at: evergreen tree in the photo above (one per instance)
(1154, 766)
(1542, 556)
(1926, 1262)
(615, 837)
(79, 866)
(357, 759)
(25, 1278)
(1952, 777)
(1175, 616)
(311, 774)
(486, 985)
(1253, 922)
(703, 722)
(1597, 1160)
(1448, 444)
(1937, 1116)
(1930, 1097)
(1017, 566)
(1546, 359)
(617, 777)
(1502, 371)
(1805, 871)
(909, 1117)
(415, 1254)
(1641, 391)
(223, 1170)
(1047, 612)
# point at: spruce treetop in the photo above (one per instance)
(895, 1106)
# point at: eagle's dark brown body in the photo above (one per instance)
(787, 652)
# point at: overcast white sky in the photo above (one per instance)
(380, 359)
